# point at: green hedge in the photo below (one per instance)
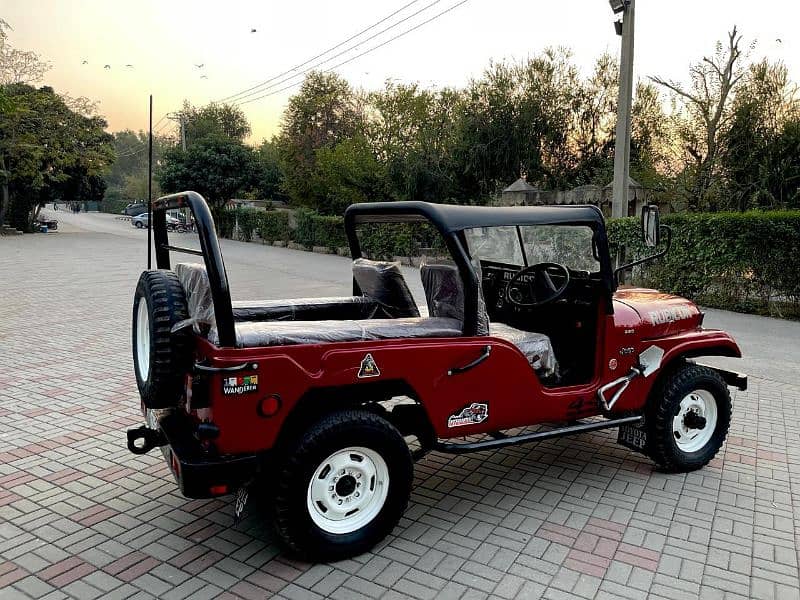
(274, 226)
(747, 262)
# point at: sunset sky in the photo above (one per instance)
(164, 40)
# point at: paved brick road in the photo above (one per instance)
(580, 517)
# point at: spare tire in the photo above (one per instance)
(161, 358)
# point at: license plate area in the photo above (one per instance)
(633, 437)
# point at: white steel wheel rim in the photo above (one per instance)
(348, 490)
(703, 404)
(142, 340)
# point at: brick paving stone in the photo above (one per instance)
(566, 518)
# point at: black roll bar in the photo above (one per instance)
(209, 250)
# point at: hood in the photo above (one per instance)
(660, 314)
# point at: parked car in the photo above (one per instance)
(527, 327)
(142, 220)
(136, 208)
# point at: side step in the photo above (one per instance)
(538, 436)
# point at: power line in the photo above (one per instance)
(266, 84)
(336, 66)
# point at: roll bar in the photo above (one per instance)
(209, 250)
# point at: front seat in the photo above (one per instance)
(445, 297)
(383, 282)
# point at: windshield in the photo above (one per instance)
(569, 245)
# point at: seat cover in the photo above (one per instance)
(304, 309)
(445, 298)
(278, 333)
(535, 346)
(384, 283)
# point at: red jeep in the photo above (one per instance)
(316, 400)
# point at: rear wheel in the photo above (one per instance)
(139, 224)
(342, 487)
(688, 418)
(161, 358)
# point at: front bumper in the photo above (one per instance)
(732, 378)
(202, 474)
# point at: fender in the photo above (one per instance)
(686, 344)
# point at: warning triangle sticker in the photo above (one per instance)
(369, 368)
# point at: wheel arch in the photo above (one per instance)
(319, 401)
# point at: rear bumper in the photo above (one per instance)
(198, 473)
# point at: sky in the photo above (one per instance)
(165, 40)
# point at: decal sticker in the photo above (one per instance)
(369, 368)
(473, 414)
(613, 364)
(627, 350)
(243, 384)
(669, 315)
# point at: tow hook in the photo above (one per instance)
(151, 438)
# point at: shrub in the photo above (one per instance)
(246, 222)
(328, 231)
(274, 225)
(304, 227)
(738, 261)
(226, 222)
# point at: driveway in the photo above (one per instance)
(572, 518)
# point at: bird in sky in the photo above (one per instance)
(201, 65)
(252, 30)
(107, 67)
(779, 40)
(84, 62)
(203, 76)
(129, 66)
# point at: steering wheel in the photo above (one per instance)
(537, 284)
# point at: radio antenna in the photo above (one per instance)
(150, 190)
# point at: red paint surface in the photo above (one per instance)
(504, 381)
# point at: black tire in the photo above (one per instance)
(139, 224)
(664, 405)
(334, 432)
(161, 381)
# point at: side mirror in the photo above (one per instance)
(651, 227)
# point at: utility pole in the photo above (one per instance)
(181, 119)
(622, 146)
(183, 132)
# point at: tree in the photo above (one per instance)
(217, 167)
(18, 66)
(760, 173)
(127, 177)
(269, 176)
(49, 151)
(323, 113)
(706, 115)
(214, 119)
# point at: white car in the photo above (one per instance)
(143, 220)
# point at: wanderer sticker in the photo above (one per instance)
(368, 368)
(243, 384)
(477, 412)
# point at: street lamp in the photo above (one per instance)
(619, 203)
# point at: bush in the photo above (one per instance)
(304, 227)
(739, 261)
(328, 231)
(246, 223)
(273, 225)
(226, 222)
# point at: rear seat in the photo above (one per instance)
(309, 309)
(279, 333)
(252, 333)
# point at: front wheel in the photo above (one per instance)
(342, 487)
(139, 224)
(688, 418)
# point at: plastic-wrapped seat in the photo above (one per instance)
(444, 294)
(194, 279)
